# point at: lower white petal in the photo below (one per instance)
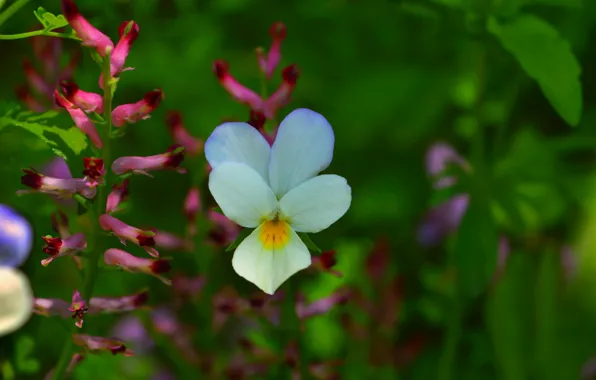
(317, 203)
(16, 300)
(270, 255)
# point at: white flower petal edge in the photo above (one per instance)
(269, 268)
(303, 147)
(16, 300)
(238, 142)
(242, 194)
(317, 203)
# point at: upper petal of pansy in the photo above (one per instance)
(270, 255)
(303, 147)
(317, 203)
(242, 193)
(238, 142)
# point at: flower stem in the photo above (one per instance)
(291, 321)
(37, 33)
(11, 10)
(451, 341)
(100, 203)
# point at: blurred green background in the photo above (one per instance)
(496, 79)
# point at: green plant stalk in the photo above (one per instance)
(93, 263)
(291, 322)
(38, 33)
(11, 10)
(451, 340)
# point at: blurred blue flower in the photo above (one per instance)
(16, 237)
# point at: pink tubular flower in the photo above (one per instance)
(118, 195)
(282, 96)
(36, 81)
(128, 31)
(88, 33)
(87, 101)
(239, 92)
(321, 306)
(94, 171)
(60, 187)
(133, 264)
(268, 64)
(143, 238)
(325, 263)
(131, 113)
(59, 247)
(224, 231)
(80, 119)
(171, 160)
(98, 344)
(49, 307)
(118, 304)
(171, 242)
(192, 145)
(78, 308)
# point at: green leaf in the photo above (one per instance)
(546, 57)
(49, 20)
(23, 350)
(476, 247)
(309, 243)
(241, 236)
(560, 3)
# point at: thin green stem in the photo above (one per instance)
(11, 10)
(291, 321)
(451, 341)
(92, 269)
(37, 33)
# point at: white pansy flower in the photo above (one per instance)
(16, 300)
(276, 190)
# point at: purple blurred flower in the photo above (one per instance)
(438, 158)
(131, 329)
(16, 237)
(442, 220)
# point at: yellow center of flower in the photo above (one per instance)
(275, 234)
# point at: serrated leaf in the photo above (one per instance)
(546, 57)
(49, 20)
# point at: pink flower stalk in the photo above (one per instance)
(49, 307)
(378, 260)
(269, 63)
(36, 81)
(60, 187)
(283, 95)
(118, 304)
(88, 33)
(78, 308)
(59, 247)
(192, 206)
(87, 101)
(170, 160)
(80, 119)
(133, 264)
(239, 92)
(118, 195)
(131, 113)
(321, 306)
(223, 231)
(98, 344)
(94, 171)
(192, 145)
(24, 95)
(325, 263)
(172, 242)
(143, 238)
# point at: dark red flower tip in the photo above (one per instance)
(290, 74)
(328, 259)
(175, 156)
(278, 30)
(257, 302)
(117, 349)
(217, 236)
(173, 119)
(22, 91)
(31, 179)
(69, 9)
(132, 32)
(245, 344)
(226, 307)
(93, 167)
(141, 299)
(160, 266)
(257, 119)
(153, 98)
(146, 241)
(220, 68)
(69, 89)
(53, 245)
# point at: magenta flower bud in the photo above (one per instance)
(94, 171)
(87, 101)
(118, 304)
(60, 187)
(24, 95)
(323, 305)
(224, 231)
(128, 32)
(59, 247)
(180, 135)
(133, 264)
(282, 96)
(171, 242)
(36, 81)
(78, 308)
(88, 33)
(49, 307)
(80, 119)
(98, 344)
(325, 263)
(438, 158)
(268, 65)
(170, 160)
(131, 113)
(118, 195)
(143, 238)
(239, 92)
